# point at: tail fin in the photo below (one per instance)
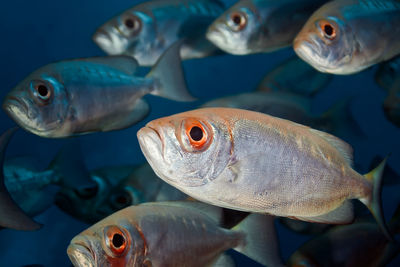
(11, 216)
(261, 240)
(169, 76)
(374, 203)
(70, 170)
(341, 122)
(391, 177)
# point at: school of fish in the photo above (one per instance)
(222, 174)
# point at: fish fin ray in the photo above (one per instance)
(344, 148)
(263, 248)
(341, 215)
(169, 77)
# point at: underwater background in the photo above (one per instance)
(35, 33)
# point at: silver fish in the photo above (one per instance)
(90, 95)
(173, 234)
(348, 36)
(261, 164)
(255, 26)
(148, 29)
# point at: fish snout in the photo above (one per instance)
(80, 254)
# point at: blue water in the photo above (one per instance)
(34, 33)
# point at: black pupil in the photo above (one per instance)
(237, 19)
(118, 240)
(129, 23)
(196, 133)
(328, 30)
(42, 90)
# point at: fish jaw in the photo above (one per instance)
(110, 40)
(79, 254)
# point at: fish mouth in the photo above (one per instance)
(80, 255)
(150, 141)
(216, 36)
(12, 101)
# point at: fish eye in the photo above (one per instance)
(42, 91)
(131, 25)
(238, 21)
(121, 200)
(197, 134)
(116, 240)
(328, 29)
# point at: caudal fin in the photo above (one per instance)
(70, 170)
(261, 240)
(11, 215)
(169, 77)
(374, 203)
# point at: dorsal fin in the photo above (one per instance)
(125, 64)
(344, 148)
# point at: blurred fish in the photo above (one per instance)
(34, 189)
(148, 29)
(173, 234)
(91, 95)
(254, 26)
(358, 244)
(388, 73)
(117, 187)
(347, 36)
(11, 215)
(261, 164)
(294, 76)
(337, 120)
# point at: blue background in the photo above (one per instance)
(34, 33)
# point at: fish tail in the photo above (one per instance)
(11, 215)
(261, 243)
(374, 203)
(169, 77)
(70, 170)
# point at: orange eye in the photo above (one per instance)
(238, 21)
(116, 240)
(328, 29)
(196, 134)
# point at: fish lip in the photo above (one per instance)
(103, 39)
(152, 133)
(214, 35)
(14, 101)
(80, 248)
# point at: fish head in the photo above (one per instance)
(39, 103)
(235, 30)
(326, 43)
(188, 149)
(131, 33)
(113, 241)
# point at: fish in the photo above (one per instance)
(359, 244)
(12, 216)
(173, 234)
(305, 228)
(117, 187)
(146, 30)
(347, 36)
(260, 26)
(261, 163)
(75, 97)
(34, 189)
(294, 76)
(336, 120)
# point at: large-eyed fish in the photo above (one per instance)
(254, 26)
(146, 30)
(348, 36)
(254, 162)
(117, 187)
(173, 234)
(91, 95)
